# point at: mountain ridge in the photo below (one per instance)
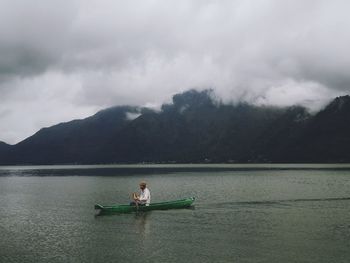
(195, 128)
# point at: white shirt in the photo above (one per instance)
(145, 196)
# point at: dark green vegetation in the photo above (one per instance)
(195, 128)
(177, 204)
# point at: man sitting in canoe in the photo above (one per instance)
(144, 198)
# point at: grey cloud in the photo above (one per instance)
(295, 39)
(93, 54)
(33, 35)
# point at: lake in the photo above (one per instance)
(242, 213)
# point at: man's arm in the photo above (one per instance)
(145, 196)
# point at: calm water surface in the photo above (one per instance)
(243, 213)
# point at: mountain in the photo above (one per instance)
(78, 141)
(4, 146)
(327, 136)
(192, 129)
(279, 142)
(196, 128)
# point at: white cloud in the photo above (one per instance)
(132, 115)
(308, 94)
(43, 101)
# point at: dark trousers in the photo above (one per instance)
(133, 203)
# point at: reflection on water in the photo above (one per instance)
(142, 223)
(139, 220)
(149, 169)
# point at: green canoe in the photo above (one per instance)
(153, 206)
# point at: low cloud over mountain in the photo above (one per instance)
(196, 127)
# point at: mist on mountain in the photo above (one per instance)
(195, 128)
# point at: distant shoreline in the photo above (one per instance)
(185, 166)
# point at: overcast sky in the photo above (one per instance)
(66, 59)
